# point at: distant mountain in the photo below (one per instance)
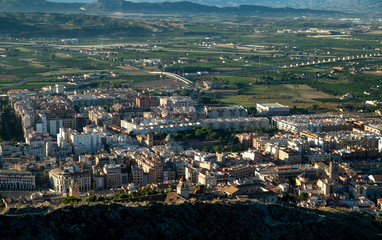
(351, 6)
(190, 7)
(37, 6)
(184, 7)
(35, 25)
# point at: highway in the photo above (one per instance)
(173, 75)
(301, 64)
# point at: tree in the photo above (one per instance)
(92, 198)
(218, 149)
(252, 110)
(52, 56)
(121, 196)
(185, 92)
(101, 199)
(286, 197)
(291, 181)
(201, 188)
(303, 196)
(71, 199)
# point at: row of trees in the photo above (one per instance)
(139, 193)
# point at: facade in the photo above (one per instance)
(312, 123)
(147, 102)
(12, 180)
(207, 178)
(226, 123)
(225, 112)
(113, 176)
(290, 156)
(79, 141)
(241, 171)
(176, 102)
(182, 189)
(137, 173)
(153, 166)
(60, 180)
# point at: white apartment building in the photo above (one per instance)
(60, 180)
(88, 141)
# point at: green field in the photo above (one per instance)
(212, 44)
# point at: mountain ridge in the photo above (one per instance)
(351, 6)
(184, 7)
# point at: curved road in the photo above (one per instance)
(23, 81)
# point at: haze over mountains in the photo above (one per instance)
(371, 6)
(183, 7)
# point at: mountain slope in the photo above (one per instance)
(351, 6)
(189, 7)
(37, 6)
(184, 7)
(71, 26)
(218, 220)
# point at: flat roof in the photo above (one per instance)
(272, 105)
(12, 171)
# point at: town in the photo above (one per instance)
(124, 144)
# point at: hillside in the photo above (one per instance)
(38, 6)
(192, 8)
(71, 26)
(351, 6)
(183, 7)
(217, 220)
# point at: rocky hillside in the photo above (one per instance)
(214, 220)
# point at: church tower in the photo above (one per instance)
(182, 188)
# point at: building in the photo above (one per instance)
(250, 190)
(312, 123)
(137, 173)
(88, 142)
(153, 166)
(290, 156)
(241, 171)
(147, 102)
(182, 189)
(272, 109)
(225, 112)
(12, 180)
(207, 179)
(242, 122)
(113, 176)
(176, 102)
(60, 180)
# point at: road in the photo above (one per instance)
(173, 75)
(301, 64)
(21, 82)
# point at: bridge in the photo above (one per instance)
(173, 75)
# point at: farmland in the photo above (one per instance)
(213, 45)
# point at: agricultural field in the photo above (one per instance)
(244, 52)
(301, 96)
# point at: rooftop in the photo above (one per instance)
(272, 105)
